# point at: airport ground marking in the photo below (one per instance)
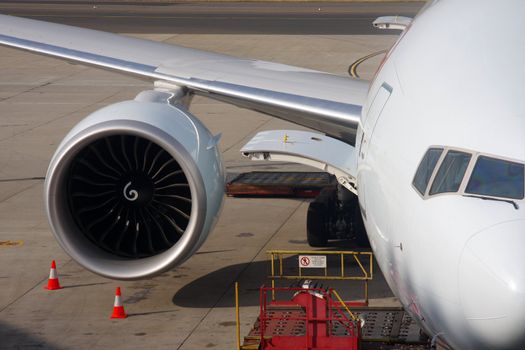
(11, 244)
(352, 69)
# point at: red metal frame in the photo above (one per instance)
(321, 314)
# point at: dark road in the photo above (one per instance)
(216, 18)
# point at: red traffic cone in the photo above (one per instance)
(118, 309)
(52, 282)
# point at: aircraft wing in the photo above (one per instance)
(324, 102)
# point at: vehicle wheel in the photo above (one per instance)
(316, 232)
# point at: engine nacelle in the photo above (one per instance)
(135, 188)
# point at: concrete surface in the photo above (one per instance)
(190, 307)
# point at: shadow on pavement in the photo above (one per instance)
(15, 338)
(215, 289)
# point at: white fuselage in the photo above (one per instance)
(457, 263)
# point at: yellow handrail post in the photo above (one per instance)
(366, 292)
(237, 317)
(273, 277)
(371, 266)
(342, 265)
(354, 318)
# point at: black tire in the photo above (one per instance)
(316, 232)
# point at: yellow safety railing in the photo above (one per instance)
(364, 261)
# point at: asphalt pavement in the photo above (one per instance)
(219, 18)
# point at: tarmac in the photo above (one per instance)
(192, 306)
(224, 18)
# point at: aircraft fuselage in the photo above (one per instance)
(453, 257)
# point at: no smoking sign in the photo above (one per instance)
(312, 261)
(304, 261)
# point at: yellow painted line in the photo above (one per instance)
(10, 244)
(352, 70)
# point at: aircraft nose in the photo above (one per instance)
(492, 286)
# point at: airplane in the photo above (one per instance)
(433, 148)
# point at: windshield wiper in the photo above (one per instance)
(510, 201)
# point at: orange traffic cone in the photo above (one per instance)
(52, 282)
(118, 309)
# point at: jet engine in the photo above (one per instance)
(135, 188)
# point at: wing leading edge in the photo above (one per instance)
(321, 101)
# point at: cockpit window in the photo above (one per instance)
(425, 169)
(497, 178)
(451, 172)
(447, 170)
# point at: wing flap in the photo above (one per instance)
(322, 101)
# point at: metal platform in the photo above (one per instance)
(314, 319)
(390, 328)
(384, 328)
(279, 184)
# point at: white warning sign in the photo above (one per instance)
(312, 261)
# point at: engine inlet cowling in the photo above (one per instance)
(135, 188)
